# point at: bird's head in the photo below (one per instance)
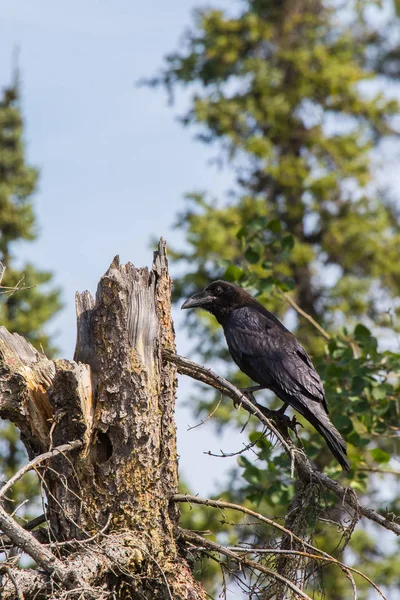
(219, 298)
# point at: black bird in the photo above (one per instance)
(271, 355)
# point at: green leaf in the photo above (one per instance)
(379, 392)
(233, 273)
(267, 265)
(275, 226)
(358, 441)
(380, 456)
(266, 284)
(242, 233)
(252, 256)
(343, 423)
(287, 242)
(361, 332)
(258, 223)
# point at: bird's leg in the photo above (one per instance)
(253, 388)
(292, 423)
(279, 414)
(249, 392)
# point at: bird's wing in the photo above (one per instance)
(272, 356)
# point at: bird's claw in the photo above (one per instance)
(291, 423)
(277, 416)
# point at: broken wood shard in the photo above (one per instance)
(25, 375)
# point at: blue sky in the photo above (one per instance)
(114, 162)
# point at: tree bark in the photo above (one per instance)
(111, 528)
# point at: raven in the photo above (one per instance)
(271, 355)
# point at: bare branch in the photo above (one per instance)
(88, 540)
(355, 349)
(327, 559)
(243, 562)
(86, 569)
(380, 471)
(245, 448)
(303, 468)
(317, 553)
(25, 540)
(350, 498)
(209, 416)
(9, 290)
(196, 371)
(220, 504)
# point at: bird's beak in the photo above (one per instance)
(201, 299)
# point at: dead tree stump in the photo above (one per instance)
(117, 399)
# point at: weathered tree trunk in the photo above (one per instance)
(117, 399)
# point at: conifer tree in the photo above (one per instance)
(289, 94)
(26, 309)
(280, 89)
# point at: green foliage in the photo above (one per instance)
(28, 309)
(289, 94)
(279, 89)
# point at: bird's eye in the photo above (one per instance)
(218, 290)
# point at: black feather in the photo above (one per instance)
(271, 355)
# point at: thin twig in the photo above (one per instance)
(244, 562)
(36, 461)
(323, 557)
(306, 315)
(89, 539)
(10, 290)
(222, 505)
(246, 447)
(209, 416)
(328, 559)
(18, 590)
(160, 569)
(352, 500)
(6, 542)
(381, 471)
(14, 512)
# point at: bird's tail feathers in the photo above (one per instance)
(320, 420)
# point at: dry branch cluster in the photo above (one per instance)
(100, 434)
